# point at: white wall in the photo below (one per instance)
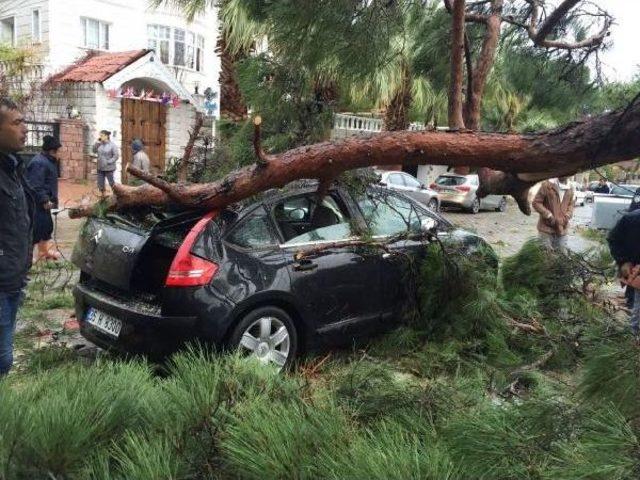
(180, 121)
(129, 20)
(21, 10)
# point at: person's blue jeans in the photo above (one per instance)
(635, 313)
(9, 303)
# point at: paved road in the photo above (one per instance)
(508, 231)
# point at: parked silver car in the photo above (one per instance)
(460, 191)
(410, 186)
(609, 207)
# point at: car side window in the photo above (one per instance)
(305, 219)
(396, 179)
(388, 215)
(409, 181)
(253, 232)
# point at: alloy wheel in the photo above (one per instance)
(268, 340)
(433, 205)
(475, 206)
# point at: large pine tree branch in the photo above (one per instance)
(522, 160)
(540, 33)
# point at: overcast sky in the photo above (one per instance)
(623, 59)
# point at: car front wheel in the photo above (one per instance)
(433, 205)
(502, 206)
(475, 206)
(267, 334)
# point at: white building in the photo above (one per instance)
(118, 65)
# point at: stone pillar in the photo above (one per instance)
(74, 162)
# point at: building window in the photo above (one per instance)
(95, 34)
(36, 28)
(176, 46)
(8, 31)
(159, 39)
(200, 53)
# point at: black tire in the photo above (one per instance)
(433, 205)
(475, 206)
(502, 206)
(255, 316)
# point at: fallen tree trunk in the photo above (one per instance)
(510, 164)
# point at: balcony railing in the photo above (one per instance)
(358, 123)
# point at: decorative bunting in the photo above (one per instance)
(146, 95)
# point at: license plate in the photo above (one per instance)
(103, 322)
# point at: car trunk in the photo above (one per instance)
(131, 254)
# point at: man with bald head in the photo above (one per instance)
(16, 223)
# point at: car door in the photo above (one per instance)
(389, 215)
(335, 283)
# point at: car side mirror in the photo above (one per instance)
(383, 184)
(428, 225)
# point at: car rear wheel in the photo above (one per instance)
(267, 334)
(475, 206)
(433, 205)
(502, 206)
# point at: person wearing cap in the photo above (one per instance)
(42, 174)
(108, 155)
(140, 157)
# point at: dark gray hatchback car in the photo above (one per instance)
(235, 278)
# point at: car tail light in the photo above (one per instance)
(463, 188)
(188, 270)
(433, 186)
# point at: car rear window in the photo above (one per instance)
(447, 181)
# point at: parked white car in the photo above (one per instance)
(579, 194)
(410, 186)
(608, 208)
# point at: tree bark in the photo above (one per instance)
(456, 121)
(183, 168)
(232, 105)
(486, 59)
(523, 160)
(396, 115)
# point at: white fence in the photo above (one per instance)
(357, 123)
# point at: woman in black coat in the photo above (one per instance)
(42, 175)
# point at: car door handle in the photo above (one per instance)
(357, 259)
(305, 266)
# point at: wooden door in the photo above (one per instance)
(146, 121)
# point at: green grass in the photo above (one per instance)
(450, 395)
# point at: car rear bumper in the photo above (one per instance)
(144, 329)
(460, 200)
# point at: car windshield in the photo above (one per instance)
(450, 181)
(627, 190)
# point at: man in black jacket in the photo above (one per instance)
(624, 242)
(16, 219)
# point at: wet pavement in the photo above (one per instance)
(508, 231)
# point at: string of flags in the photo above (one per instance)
(147, 95)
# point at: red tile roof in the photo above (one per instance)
(98, 66)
